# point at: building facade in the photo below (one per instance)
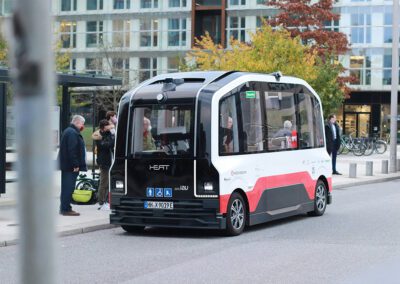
(137, 39)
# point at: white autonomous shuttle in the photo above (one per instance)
(220, 150)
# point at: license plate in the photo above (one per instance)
(158, 205)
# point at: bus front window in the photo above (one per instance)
(163, 130)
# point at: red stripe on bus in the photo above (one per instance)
(265, 183)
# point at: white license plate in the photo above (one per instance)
(158, 205)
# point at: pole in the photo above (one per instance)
(395, 87)
(33, 75)
(94, 109)
(66, 108)
(3, 125)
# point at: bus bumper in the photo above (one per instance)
(199, 214)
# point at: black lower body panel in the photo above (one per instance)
(202, 214)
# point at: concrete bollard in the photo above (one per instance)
(353, 170)
(369, 168)
(385, 166)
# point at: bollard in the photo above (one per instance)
(369, 168)
(398, 164)
(385, 166)
(353, 170)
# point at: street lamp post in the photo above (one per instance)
(33, 75)
(395, 87)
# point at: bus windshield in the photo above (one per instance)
(163, 130)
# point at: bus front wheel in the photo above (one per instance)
(320, 199)
(132, 229)
(236, 215)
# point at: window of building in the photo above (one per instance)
(176, 32)
(387, 67)
(331, 25)
(173, 64)
(146, 4)
(361, 28)
(121, 69)
(67, 5)
(280, 115)
(94, 65)
(262, 2)
(68, 34)
(121, 33)
(148, 32)
(147, 68)
(72, 65)
(177, 3)
(94, 4)
(360, 69)
(387, 30)
(237, 2)
(94, 33)
(261, 19)
(122, 4)
(237, 28)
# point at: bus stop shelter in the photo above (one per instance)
(66, 81)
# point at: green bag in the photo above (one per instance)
(82, 195)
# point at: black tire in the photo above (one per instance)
(320, 199)
(236, 215)
(132, 229)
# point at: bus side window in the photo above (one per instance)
(306, 126)
(228, 126)
(280, 117)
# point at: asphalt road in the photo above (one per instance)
(356, 241)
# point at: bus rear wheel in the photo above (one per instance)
(132, 229)
(236, 215)
(320, 199)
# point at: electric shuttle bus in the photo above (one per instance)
(220, 150)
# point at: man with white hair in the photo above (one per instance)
(72, 159)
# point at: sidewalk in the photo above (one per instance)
(92, 219)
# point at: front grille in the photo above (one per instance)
(186, 213)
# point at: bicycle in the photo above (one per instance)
(375, 145)
(84, 182)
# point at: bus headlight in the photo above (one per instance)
(119, 184)
(208, 186)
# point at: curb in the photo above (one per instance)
(67, 233)
(364, 182)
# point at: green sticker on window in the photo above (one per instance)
(250, 94)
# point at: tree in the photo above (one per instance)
(268, 51)
(307, 19)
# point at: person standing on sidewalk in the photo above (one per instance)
(105, 148)
(332, 134)
(72, 159)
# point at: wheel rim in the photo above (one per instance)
(320, 198)
(237, 214)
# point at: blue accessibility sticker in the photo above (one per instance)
(167, 192)
(146, 205)
(159, 192)
(150, 192)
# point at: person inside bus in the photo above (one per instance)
(283, 134)
(227, 136)
(148, 141)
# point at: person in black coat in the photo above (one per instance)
(105, 148)
(332, 134)
(72, 159)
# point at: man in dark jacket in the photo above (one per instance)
(332, 134)
(105, 148)
(72, 159)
